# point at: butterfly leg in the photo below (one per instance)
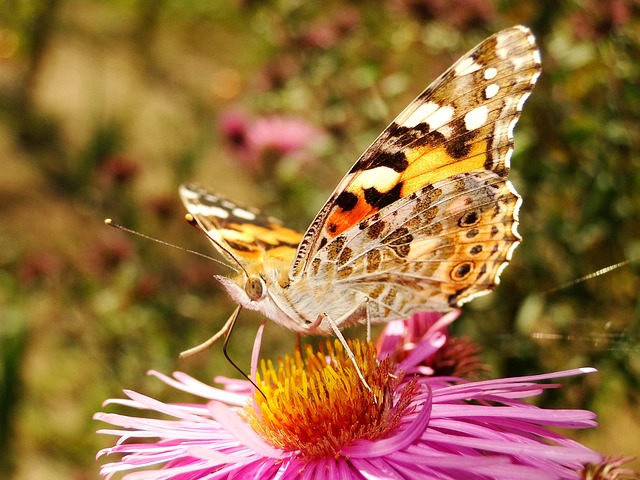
(334, 326)
(366, 311)
(223, 332)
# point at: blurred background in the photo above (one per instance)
(106, 107)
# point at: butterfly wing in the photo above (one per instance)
(432, 250)
(241, 234)
(432, 189)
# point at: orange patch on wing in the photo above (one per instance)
(272, 235)
(339, 221)
(253, 255)
(283, 253)
(427, 166)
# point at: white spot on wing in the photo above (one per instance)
(502, 52)
(431, 113)
(491, 90)
(476, 117)
(530, 38)
(490, 73)
(440, 117)
(536, 56)
(187, 193)
(467, 66)
(208, 211)
(417, 116)
(519, 61)
(382, 178)
(244, 214)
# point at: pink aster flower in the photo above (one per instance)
(314, 419)
(261, 142)
(422, 345)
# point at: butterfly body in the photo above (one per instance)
(425, 220)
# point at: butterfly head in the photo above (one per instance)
(256, 290)
(247, 290)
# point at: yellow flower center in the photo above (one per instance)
(316, 404)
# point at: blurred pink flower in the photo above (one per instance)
(595, 19)
(262, 142)
(107, 252)
(119, 169)
(234, 125)
(316, 420)
(461, 14)
(41, 265)
(325, 34)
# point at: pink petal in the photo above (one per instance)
(232, 422)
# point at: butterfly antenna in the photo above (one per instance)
(589, 276)
(194, 223)
(233, 364)
(118, 226)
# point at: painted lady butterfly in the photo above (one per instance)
(425, 220)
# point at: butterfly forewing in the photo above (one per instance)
(245, 233)
(426, 219)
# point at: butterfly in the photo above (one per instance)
(424, 221)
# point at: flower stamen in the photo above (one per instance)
(316, 403)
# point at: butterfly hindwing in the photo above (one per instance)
(431, 250)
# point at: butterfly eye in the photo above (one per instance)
(254, 288)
